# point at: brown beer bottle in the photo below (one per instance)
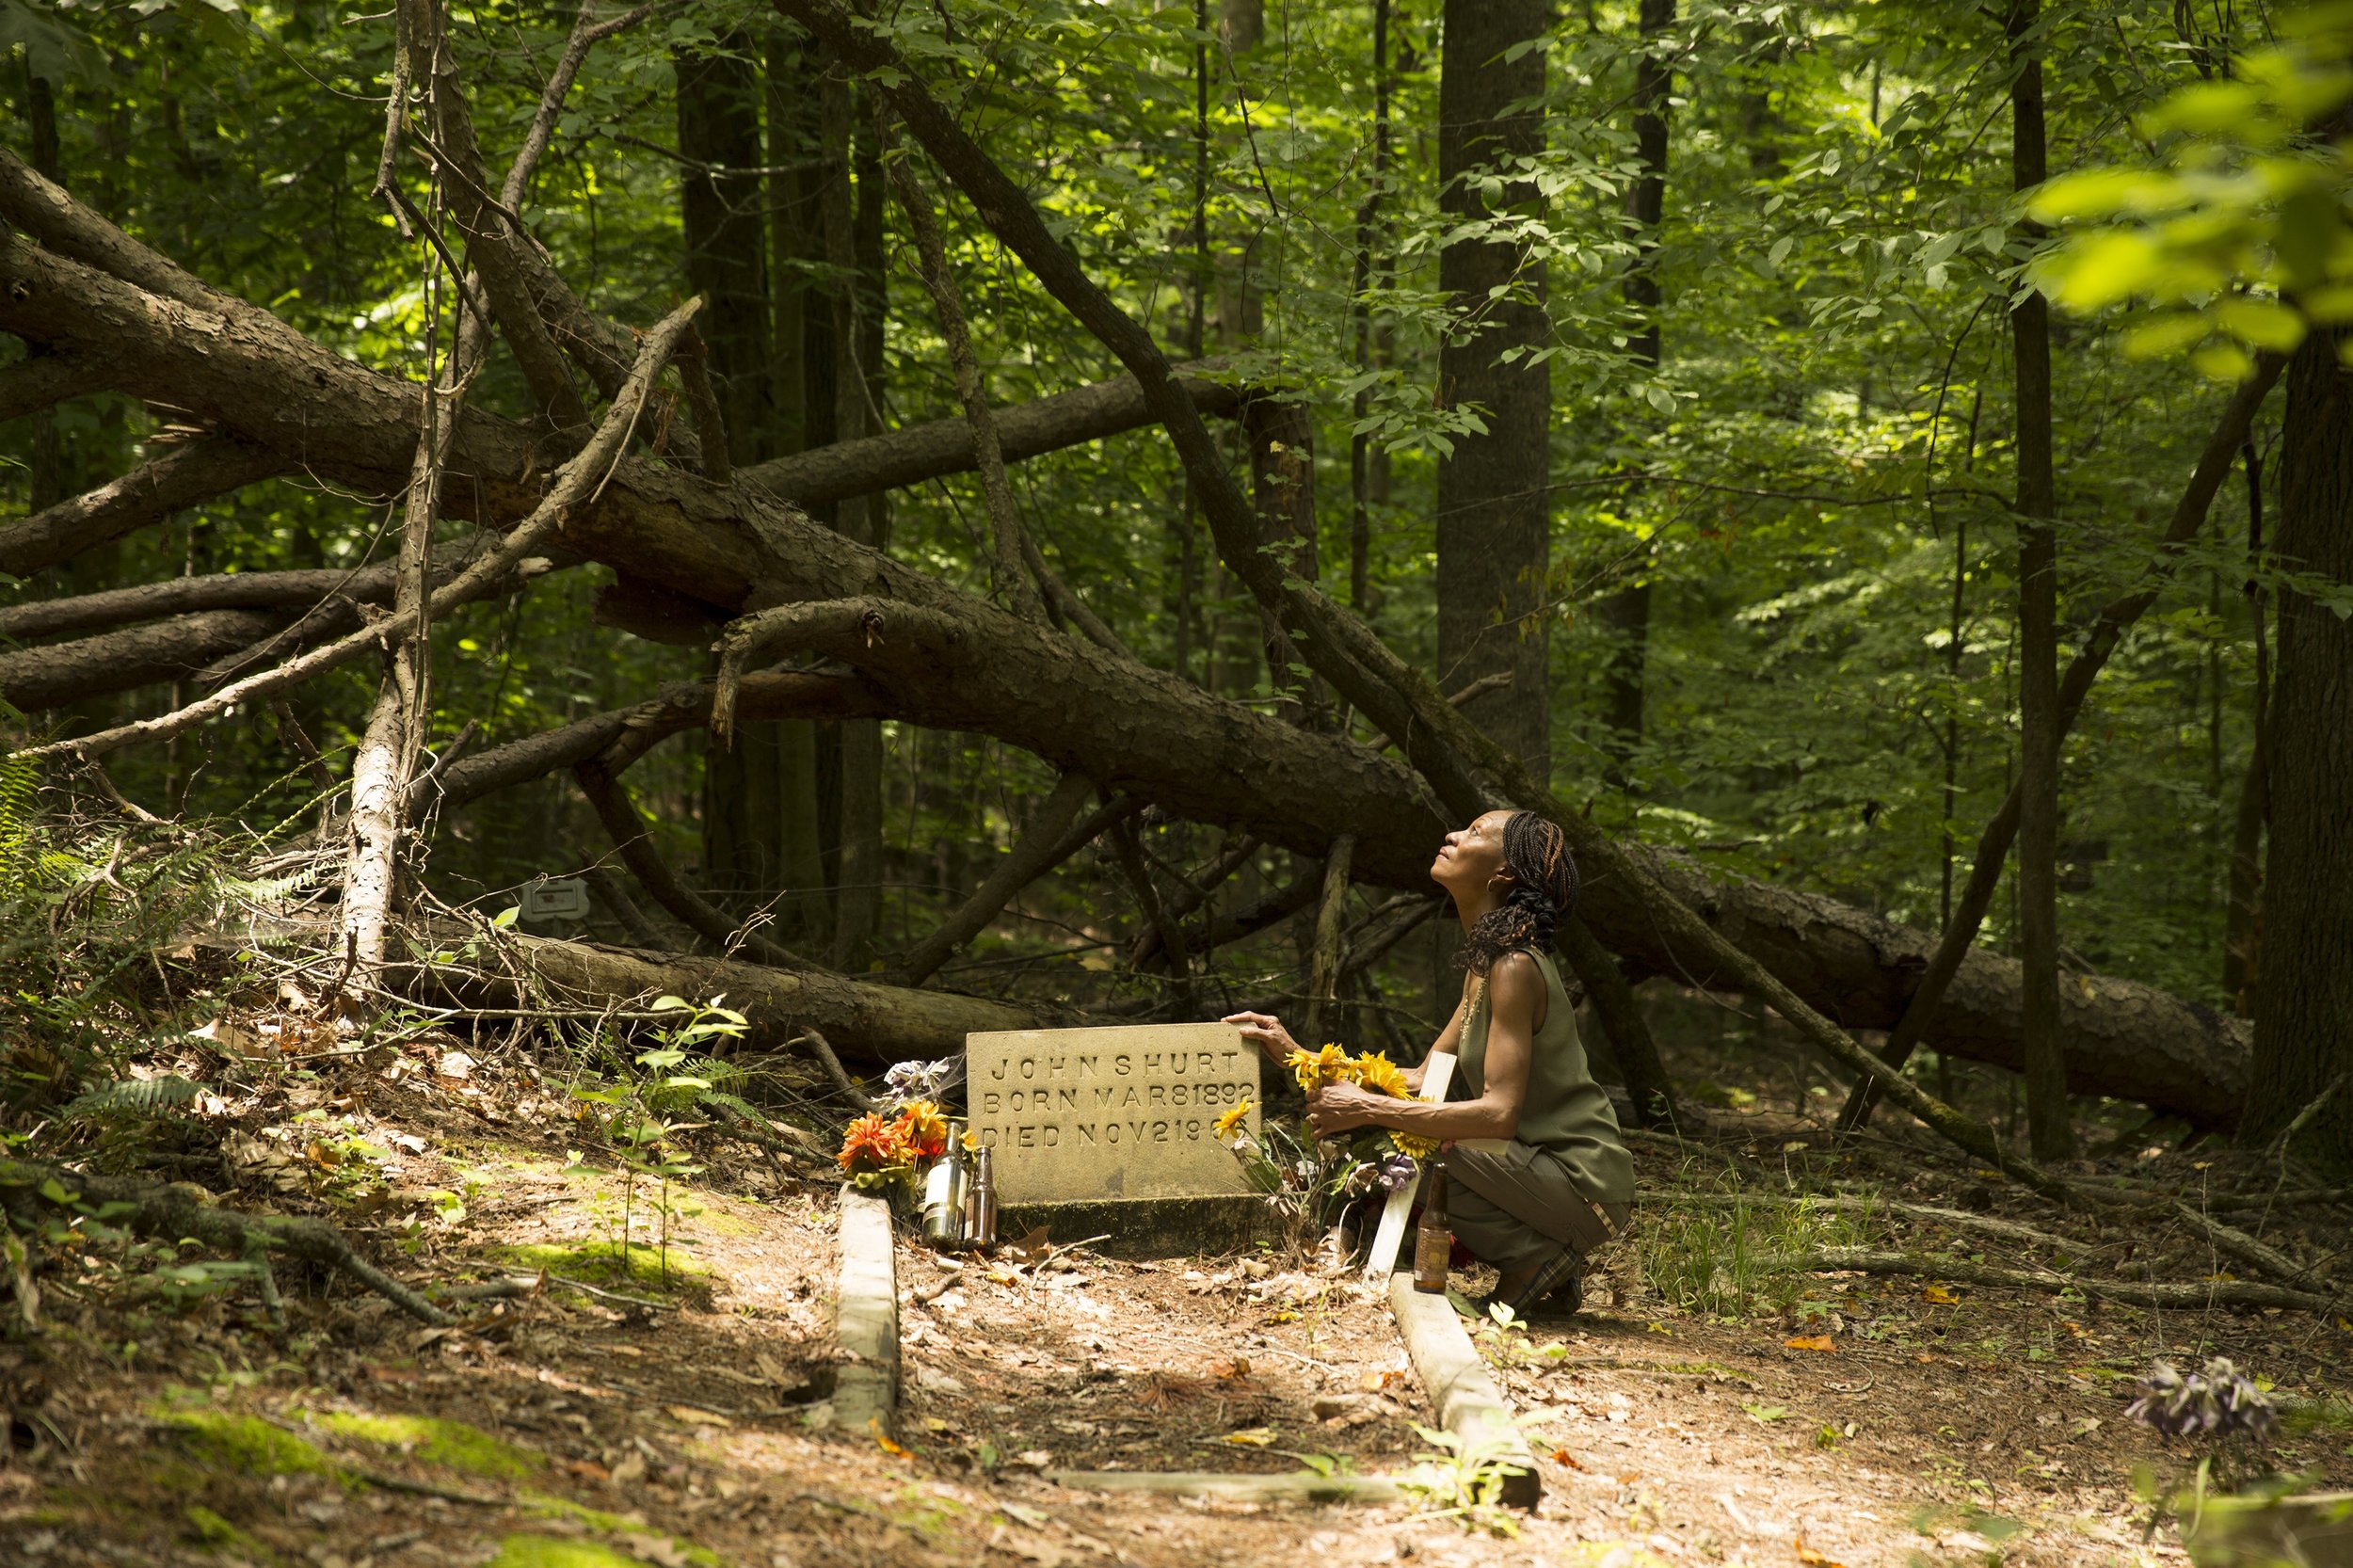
(1433, 1241)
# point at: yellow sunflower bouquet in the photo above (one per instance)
(1311, 1180)
(1373, 1072)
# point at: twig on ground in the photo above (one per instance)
(821, 1048)
(2189, 1295)
(179, 1212)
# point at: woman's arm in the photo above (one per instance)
(1515, 993)
(1449, 1039)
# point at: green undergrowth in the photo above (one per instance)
(452, 1444)
(1733, 1259)
(602, 1262)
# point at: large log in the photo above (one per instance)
(875, 1024)
(55, 674)
(938, 656)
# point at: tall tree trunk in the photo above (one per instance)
(747, 825)
(2050, 1129)
(1283, 483)
(2303, 1062)
(1367, 462)
(1627, 612)
(2242, 919)
(1494, 488)
(852, 219)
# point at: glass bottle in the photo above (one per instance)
(1434, 1240)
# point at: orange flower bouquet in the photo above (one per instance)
(882, 1148)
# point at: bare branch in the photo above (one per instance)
(300, 589)
(1050, 840)
(175, 479)
(930, 451)
(616, 739)
(576, 483)
(635, 841)
(1012, 562)
(43, 382)
(587, 32)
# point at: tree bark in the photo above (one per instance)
(56, 674)
(1494, 512)
(619, 737)
(1626, 611)
(867, 1022)
(1367, 460)
(173, 480)
(1281, 439)
(2050, 1124)
(2242, 921)
(896, 459)
(1324, 955)
(2304, 1007)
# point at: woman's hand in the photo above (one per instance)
(1266, 1031)
(1338, 1108)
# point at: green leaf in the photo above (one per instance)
(2223, 361)
(505, 918)
(2103, 268)
(2264, 323)
(2105, 193)
(2165, 334)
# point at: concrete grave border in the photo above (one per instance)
(1466, 1398)
(866, 1316)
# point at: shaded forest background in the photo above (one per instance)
(1680, 419)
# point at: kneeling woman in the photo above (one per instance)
(1539, 1176)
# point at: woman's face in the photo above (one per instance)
(1471, 857)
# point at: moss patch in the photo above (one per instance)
(452, 1444)
(611, 1524)
(246, 1443)
(547, 1551)
(600, 1261)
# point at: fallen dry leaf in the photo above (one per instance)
(1809, 1342)
(1562, 1456)
(1256, 1437)
(1936, 1295)
(698, 1417)
(1813, 1558)
(1237, 1369)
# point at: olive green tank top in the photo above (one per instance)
(1566, 1113)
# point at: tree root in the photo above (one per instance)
(2187, 1295)
(171, 1213)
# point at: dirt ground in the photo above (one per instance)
(676, 1411)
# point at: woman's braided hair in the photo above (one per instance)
(1543, 888)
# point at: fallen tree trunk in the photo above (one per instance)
(869, 1023)
(176, 479)
(56, 674)
(300, 589)
(947, 660)
(943, 446)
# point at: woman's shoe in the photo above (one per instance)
(1560, 1284)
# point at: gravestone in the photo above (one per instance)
(1114, 1129)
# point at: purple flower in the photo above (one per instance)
(1395, 1171)
(2218, 1399)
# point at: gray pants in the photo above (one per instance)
(1515, 1206)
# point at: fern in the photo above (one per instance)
(131, 1097)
